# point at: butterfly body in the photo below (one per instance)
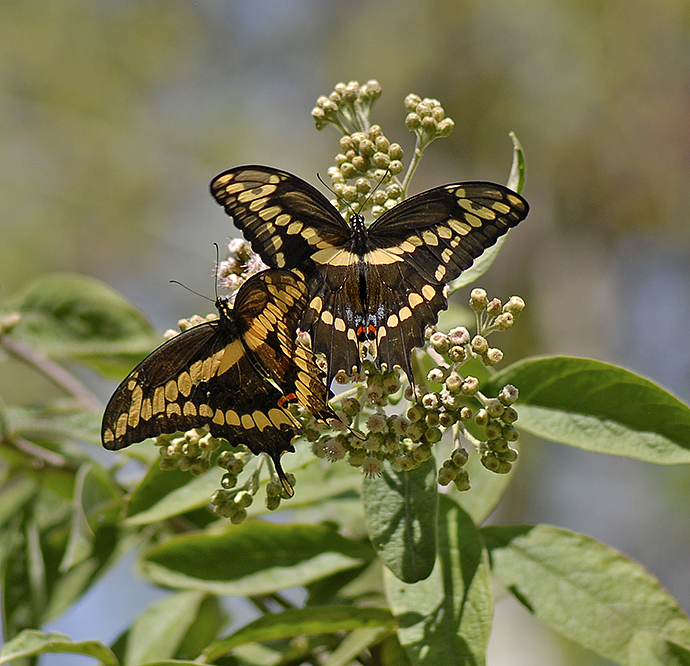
(234, 375)
(376, 286)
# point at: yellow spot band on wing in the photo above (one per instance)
(230, 356)
(232, 417)
(334, 256)
(379, 257)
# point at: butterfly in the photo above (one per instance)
(380, 285)
(217, 374)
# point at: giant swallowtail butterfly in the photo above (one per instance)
(217, 374)
(381, 284)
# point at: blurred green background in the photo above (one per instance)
(115, 115)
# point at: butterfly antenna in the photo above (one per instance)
(196, 293)
(371, 194)
(330, 189)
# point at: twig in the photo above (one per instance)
(55, 373)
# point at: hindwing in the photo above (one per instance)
(380, 285)
(268, 317)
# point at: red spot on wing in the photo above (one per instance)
(365, 333)
(285, 399)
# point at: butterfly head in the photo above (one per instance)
(359, 233)
(224, 307)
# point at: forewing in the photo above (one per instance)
(268, 315)
(202, 377)
(284, 218)
(149, 401)
(440, 232)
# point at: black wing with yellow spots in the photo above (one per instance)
(377, 285)
(215, 375)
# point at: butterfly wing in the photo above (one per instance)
(418, 246)
(289, 223)
(387, 291)
(388, 295)
(443, 230)
(336, 313)
(202, 377)
(284, 218)
(268, 316)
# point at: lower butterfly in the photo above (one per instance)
(216, 375)
(371, 287)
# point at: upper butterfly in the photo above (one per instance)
(215, 374)
(381, 284)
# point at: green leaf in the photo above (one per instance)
(172, 662)
(480, 266)
(163, 494)
(516, 179)
(355, 643)
(15, 494)
(400, 510)
(446, 619)
(96, 505)
(583, 589)
(303, 621)
(160, 629)
(78, 317)
(392, 653)
(317, 480)
(80, 543)
(210, 620)
(23, 583)
(31, 643)
(253, 558)
(56, 422)
(647, 649)
(598, 407)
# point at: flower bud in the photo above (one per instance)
(495, 408)
(439, 341)
(430, 401)
(395, 151)
(493, 307)
(508, 394)
(459, 457)
(470, 386)
(412, 121)
(438, 374)
(478, 300)
(504, 321)
(492, 430)
(510, 415)
(459, 335)
(453, 383)
(479, 344)
(515, 305)
(411, 101)
(481, 418)
(372, 466)
(492, 356)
